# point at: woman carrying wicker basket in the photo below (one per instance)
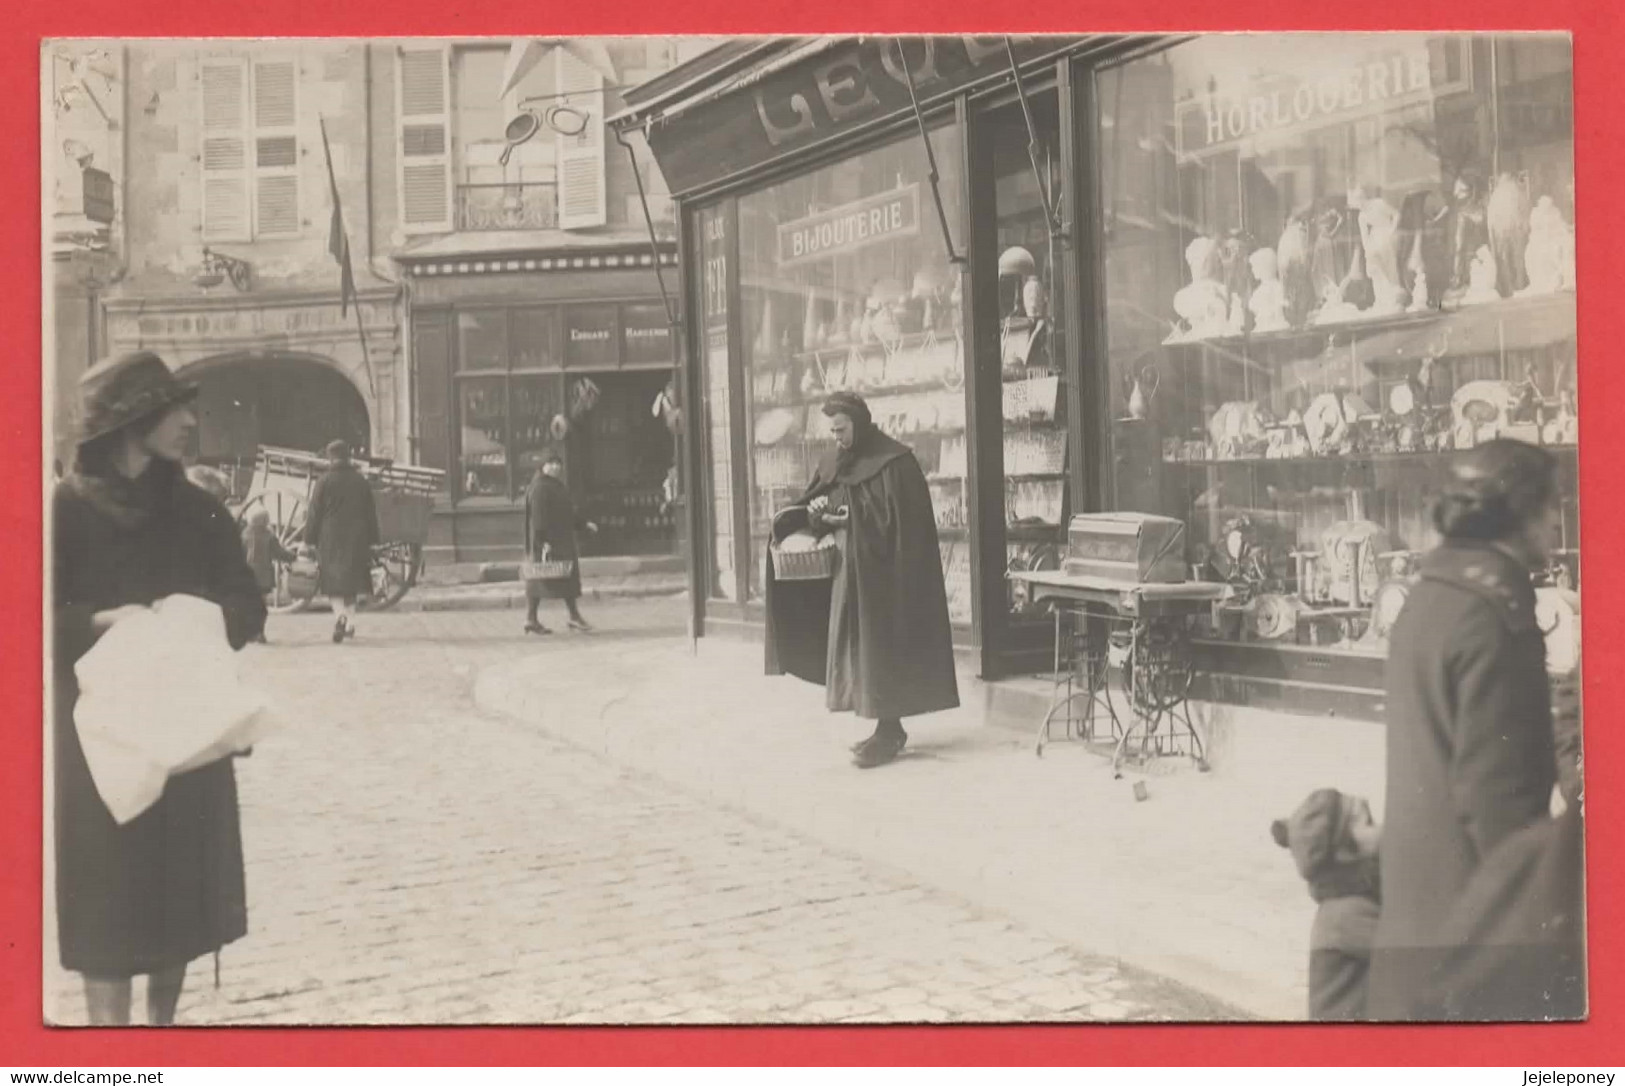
(553, 565)
(875, 633)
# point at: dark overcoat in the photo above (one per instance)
(1518, 931)
(1470, 753)
(343, 527)
(551, 523)
(877, 636)
(167, 886)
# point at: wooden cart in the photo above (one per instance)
(282, 484)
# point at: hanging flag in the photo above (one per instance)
(338, 240)
(525, 53)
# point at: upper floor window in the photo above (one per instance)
(472, 160)
(250, 148)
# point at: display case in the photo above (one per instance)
(1332, 261)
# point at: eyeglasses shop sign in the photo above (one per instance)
(886, 217)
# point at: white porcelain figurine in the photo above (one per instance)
(1379, 233)
(1550, 254)
(1481, 279)
(1268, 303)
(1203, 305)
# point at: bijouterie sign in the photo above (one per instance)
(886, 217)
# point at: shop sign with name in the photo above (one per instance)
(829, 93)
(850, 227)
(646, 335)
(589, 336)
(1284, 105)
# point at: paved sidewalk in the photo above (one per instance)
(414, 860)
(1187, 883)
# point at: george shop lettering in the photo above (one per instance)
(869, 80)
(1282, 107)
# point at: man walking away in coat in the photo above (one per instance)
(550, 529)
(343, 527)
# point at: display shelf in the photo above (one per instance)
(1352, 458)
(1512, 324)
(871, 392)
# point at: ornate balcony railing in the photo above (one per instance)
(529, 205)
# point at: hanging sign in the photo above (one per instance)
(886, 217)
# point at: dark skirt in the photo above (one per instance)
(156, 892)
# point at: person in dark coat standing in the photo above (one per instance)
(550, 530)
(1470, 742)
(148, 896)
(877, 637)
(343, 527)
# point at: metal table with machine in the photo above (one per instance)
(1122, 591)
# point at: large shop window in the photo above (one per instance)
(1330, 260)
(845, 284)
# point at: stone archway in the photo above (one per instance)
(284, 399)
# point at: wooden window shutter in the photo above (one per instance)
(276, 149)
(583, 201)
(425, 144)
(223, 149)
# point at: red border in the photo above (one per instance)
(1600, 88)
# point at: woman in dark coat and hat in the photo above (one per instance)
(343, 527)
(877, 637)
(1470, 742)
(550, 529)
(148, 896)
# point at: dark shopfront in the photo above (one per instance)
(1261, 284)
(521, 355)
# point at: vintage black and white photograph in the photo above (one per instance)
(812, 530)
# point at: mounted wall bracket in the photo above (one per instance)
(1052, 219)
(954, 256)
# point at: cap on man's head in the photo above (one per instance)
(338, 450)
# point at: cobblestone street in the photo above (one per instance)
(413, 860)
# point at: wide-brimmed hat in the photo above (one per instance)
(128, 388)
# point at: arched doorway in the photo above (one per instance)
(286, 400)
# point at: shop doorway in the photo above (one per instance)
(1021, 361)
(283, 400)
(619, 456)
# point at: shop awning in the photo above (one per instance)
(739, 109)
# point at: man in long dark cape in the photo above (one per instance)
(876, 636)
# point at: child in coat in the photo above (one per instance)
(1333, 841)
(263, 550)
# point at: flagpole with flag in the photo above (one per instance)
(338, 244)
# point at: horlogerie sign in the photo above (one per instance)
(1288, 105)
(886, 217)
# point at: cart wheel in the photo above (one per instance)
(395, 569)
(288, 525)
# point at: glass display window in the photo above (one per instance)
(482, 411)
(1330, 261)
(482, 340)
(537, 339)
(845, 283)
(1032, 349)
(714, 227)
